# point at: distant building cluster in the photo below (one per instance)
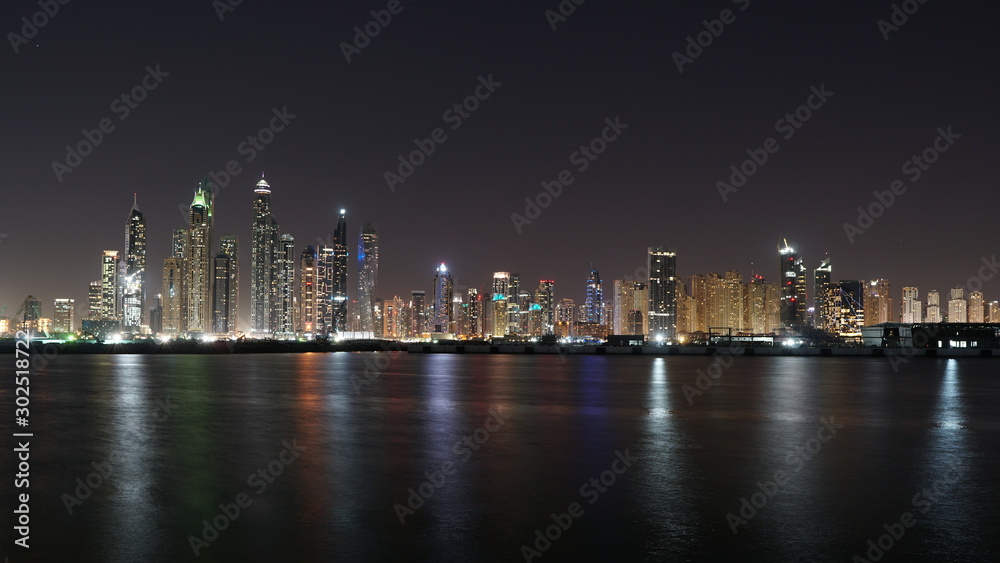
(306, 295)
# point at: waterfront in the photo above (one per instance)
(524, 435)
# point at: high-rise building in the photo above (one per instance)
(733, 301)
(394, 319)
(662, 322)
(933, 306)
(442, 316)
(307, 289)
(878, 302)
(284, 304)
(263, 261)
(178, 241)
(156, 315)
(545, 296)
(850, 294)
(793, 288)
(63, 315)
(912, 312)
(173, 291)
(631, 307)
(756, 306)
(198, 272)
(594, 305)
(958, 308)
(94, 299)
(324, 290)
(772, 307)
(32, 317)
(498, 325)
(110, 285)
(994, 312)
(473, 313)
(977, 307)
(134, 283)
(822, 280)
(220, 293)
(230, 246)
(367, 274)
(340, 255)
(699, 292)
(418, 314)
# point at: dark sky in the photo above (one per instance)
(654, 185)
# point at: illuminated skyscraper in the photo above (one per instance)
(793, 288)
(367, 274)
(958, 308)
(94, 300)
(230, 246)
(442, 316)
(545, 297)
(178, 240)
(62, 315)
(134, 284)
(594, 305)
(851, 296)
(822, 282)
(418, 312)
(631, 307)
(994, 312)
(263, 261)
(340, 255)
(283, 311)
(772, 307)
(307, 289)
(933, 306)
(878, 302)
(473, 313)
(173, 291)
(220, 293)
(756, 306)
(912, 312)
(110, 285)
(498, 325)
(977, 307)
(699, 293)
(198, 260)
(662, 265)
(324, 290)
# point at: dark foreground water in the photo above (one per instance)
(337, 458)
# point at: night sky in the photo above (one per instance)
(654, 185)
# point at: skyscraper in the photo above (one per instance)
(594, 305)
(220, 293)
(699, 293)
(441, 318)
(912, 312)
(631, 307)
(662, 265)
(878, 302)
(62, 315)
(756, 306)
(324, 290)
(822, 277)
(793, 284)
(851, 295)
(263, 255)
(307, 289)
(110, 285)
(418, 314)
(367, 274)
(173, 291)
(545, 297)
(178, 241)
(933, 306)
(94, 299)
(994, 312)
(498, 325)
(134, 284)
(340, 255)
(977, 307)
(156, 315)
(230, 246)
(198, 260)
(283, 311)
(958, 308)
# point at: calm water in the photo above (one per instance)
(564, 422)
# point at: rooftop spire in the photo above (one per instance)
(135, 201)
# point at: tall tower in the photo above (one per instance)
(878, 302)
(418, 319)
(594, 306)
(110, 269)
(662, 265)
(977, 307)
(263, 254)
(911, 305)
(958, 307)
(283, 309)
(134, 284)
(230, 246)
(307, 289)
(793, 284)
(545, 297)
(821, 287)
(443, 295)
(220, 293)
(933, 306)
(367, 274)
(340, 273)
(198, 260)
